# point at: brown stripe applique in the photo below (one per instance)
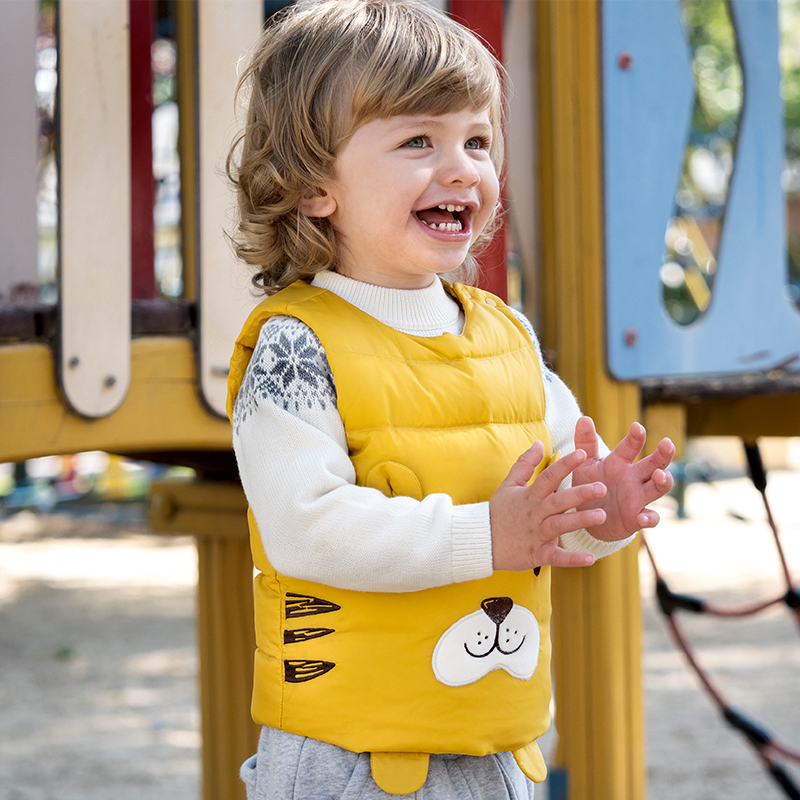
(304, 634)
(304, 605)
(299, 671)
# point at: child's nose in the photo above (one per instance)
(459, 168)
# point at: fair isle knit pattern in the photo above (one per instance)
(288, 368)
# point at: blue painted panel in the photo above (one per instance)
(750, 324)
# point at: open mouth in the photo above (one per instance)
(445, 217)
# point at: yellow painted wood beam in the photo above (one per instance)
(747, 417)
(215, 513)
(161, 412)
(597, 615)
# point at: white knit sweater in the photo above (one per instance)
(291, 449)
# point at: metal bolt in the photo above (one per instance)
(624, 60)
(631, 336)
(110, 381)
(163, 506)
(74, 361)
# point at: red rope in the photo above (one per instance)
(766, 746)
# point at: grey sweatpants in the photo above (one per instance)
(290, 767)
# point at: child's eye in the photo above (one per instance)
(477, 143)
(417, 141)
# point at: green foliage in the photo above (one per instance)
(716, 67)
(790, 66)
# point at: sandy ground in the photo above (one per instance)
(97, 658)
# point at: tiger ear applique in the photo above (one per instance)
(299, 605)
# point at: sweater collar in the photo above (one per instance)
(420, 312)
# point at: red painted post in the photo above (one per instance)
(142, 183)
(485, 17)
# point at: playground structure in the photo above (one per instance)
(597, 127)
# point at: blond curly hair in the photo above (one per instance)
(388, 58)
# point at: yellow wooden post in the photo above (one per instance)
(215, 513)
(597, 615)
(666, 419)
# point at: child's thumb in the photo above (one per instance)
(523, 468)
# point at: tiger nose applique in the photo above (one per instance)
(501, 635)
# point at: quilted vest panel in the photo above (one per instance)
(462, 668)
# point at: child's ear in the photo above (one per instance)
(317, 202)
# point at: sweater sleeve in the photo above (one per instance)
(315, 522)
(562, 412)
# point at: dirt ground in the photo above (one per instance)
(98, 666)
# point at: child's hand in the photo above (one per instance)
(630, 486)
(527, 520)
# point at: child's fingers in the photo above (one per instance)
(586, 438)
(659, 459)
(551, 478)
(523, 468)
(631, 445)
(657, 481)
(574, 521)
(647, 519)
(659, 484)
(558, 557)
(664, 453)
(561, 502)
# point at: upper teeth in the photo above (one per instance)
(451, 207)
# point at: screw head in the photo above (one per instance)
(163, 505)
(631, 336)
(624, 60)
(110, 381)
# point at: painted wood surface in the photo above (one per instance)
(750, 325)
(596, 612)
(161, 411)
(18, 134)
(95, 205)
(225, 30)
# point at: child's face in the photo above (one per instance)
(411, 195)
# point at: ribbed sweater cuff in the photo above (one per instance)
(583, 542)
(472, 542)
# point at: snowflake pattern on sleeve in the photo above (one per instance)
(288, 368)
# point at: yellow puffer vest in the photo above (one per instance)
(463, 668)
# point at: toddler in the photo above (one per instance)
(380, 405)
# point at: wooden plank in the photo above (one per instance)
(95, 205)
(162, 412)
(18, 157)
(215, 513)
(596, 612)
(225, 29)
(486, 18)
(746, 417)
(750, 325)
(186, 18)
(522, 147)
(142, 25)
(226, 644)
